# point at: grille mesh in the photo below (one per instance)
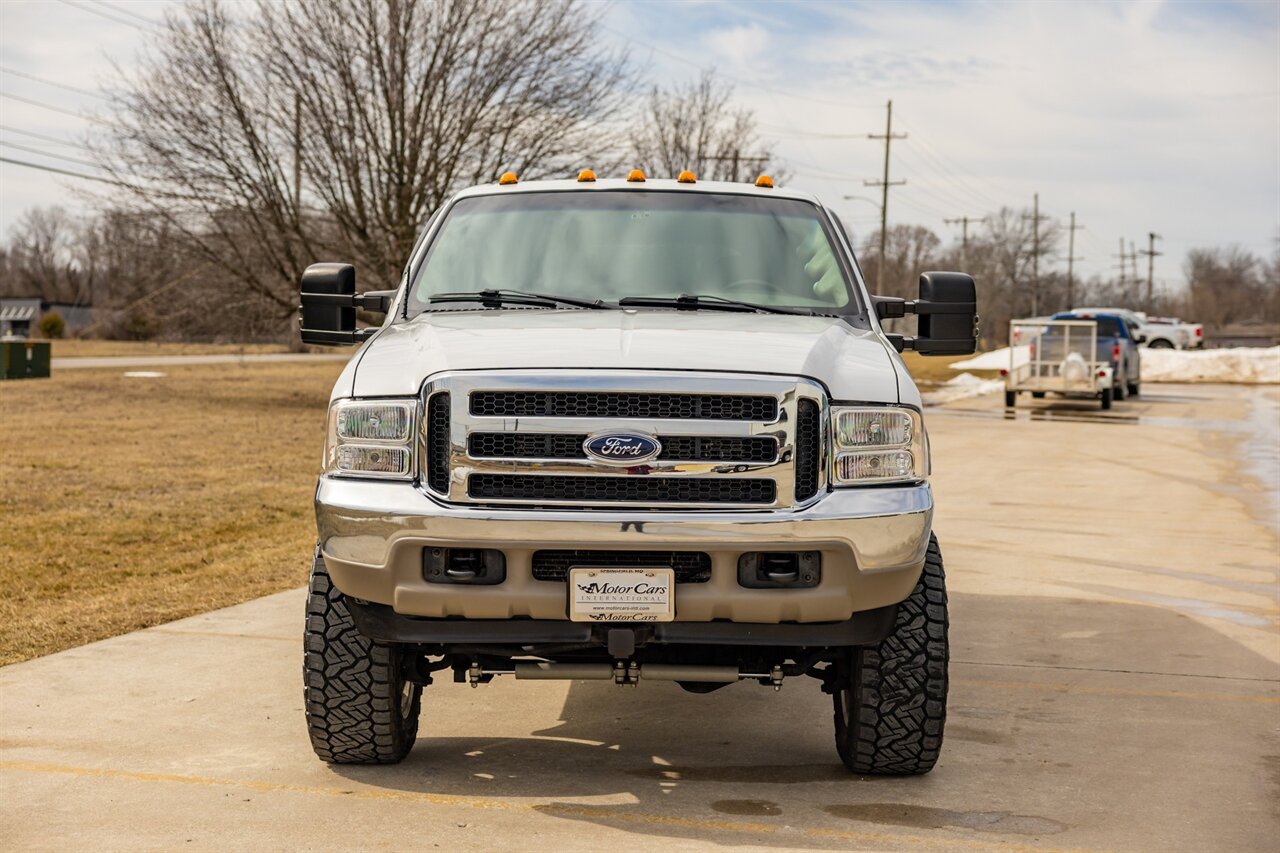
(690, 566)
(808, 449)
(438, 442)
(528, 487)
(527, 445)
(624, 404)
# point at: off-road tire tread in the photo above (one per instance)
(899, 692)
(352, 685)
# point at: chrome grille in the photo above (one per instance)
(728, 440)
(613, 404)
(530, 445)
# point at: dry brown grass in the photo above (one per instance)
(71, 348)
(934, 370)
(129, 502)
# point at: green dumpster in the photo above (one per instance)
(24, 359)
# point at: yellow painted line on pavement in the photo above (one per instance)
(602, 813)
(1119, 691)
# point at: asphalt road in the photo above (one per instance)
(1116, 686)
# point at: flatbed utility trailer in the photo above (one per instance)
(1063, 358)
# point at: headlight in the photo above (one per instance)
(878, 445)
(371, 438)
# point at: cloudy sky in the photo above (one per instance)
(1137, 116)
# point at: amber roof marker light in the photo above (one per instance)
(635, 176)
(508, 178)
(764, 181)
(586, 176)
(687, 177)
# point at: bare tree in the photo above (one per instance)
(332, 128)
(694, 127)
(42, 257)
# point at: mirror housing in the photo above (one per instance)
(948, 312)
(327, 315)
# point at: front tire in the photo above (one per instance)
(1010, 399)
(360, 708)
(891, 698)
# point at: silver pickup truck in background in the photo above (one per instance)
(629, 430)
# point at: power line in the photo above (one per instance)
(48, 82)
(57, 171)
(46, 137)
(110, 17)
(123, 11)
(31, 150)
(43, 105)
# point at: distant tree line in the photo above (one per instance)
(1224, 285)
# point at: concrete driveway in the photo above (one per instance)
(1116, 686)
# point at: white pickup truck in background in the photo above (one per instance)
(1157, 332)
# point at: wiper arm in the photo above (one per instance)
(692, 302)
(498, 298)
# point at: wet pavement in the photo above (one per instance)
(1115, 686)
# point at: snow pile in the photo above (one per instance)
(997, 359)
(1246, 365)
(961, 387)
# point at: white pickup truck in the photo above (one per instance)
(629, 430)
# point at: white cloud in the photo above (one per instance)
(741, 45)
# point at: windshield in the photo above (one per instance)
(613, 244)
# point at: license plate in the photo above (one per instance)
(621, 595)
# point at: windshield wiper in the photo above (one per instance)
(692, 302)
(498, 298)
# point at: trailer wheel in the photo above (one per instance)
(360, 708)
(1010, 399)
(1039, 395)
(891, 698)
(1106, 398)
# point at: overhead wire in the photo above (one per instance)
(109, 16)
(31, 150)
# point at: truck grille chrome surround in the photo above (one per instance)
(729, 441)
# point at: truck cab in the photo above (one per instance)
(629, 430)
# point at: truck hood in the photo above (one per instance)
(854, 364)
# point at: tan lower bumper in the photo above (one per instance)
(872, 542)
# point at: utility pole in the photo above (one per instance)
(1123, 257)
(735, 157)
(1133, 260)
(1151, 254)
(1071, 259)
(1035, 254)
(963, 222)
(884, 185)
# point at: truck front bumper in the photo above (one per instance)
(873, 541)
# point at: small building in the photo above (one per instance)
(18, 317)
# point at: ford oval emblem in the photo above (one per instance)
(621, 448)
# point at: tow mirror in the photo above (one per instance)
(327, 315)
(948, 312)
